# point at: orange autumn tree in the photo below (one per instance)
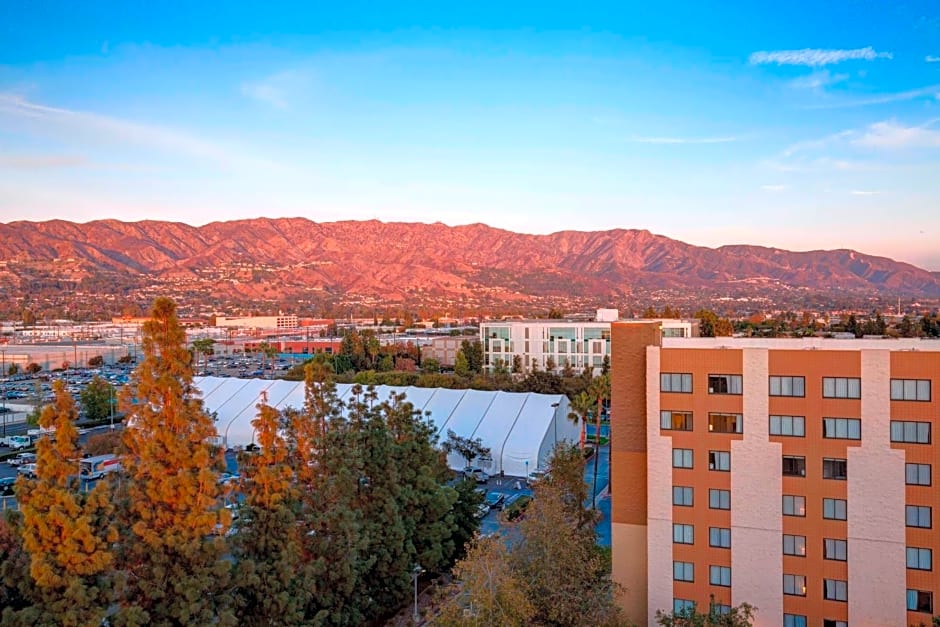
(175, 571)
(67, 533)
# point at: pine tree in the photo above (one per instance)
(266, 547)
(67, 533)
(170, 498)
(16, 587)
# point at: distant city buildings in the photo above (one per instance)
(554, 344)
(796, 475)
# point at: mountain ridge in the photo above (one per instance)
(389, 258)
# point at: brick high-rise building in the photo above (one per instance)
(794, 475)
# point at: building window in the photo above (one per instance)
(725, 423)
(835, 549)
(719, 537)
(681, 458)
(835, 509)
(682, 496)
(919, 559)
(842, 428)
(724, 384)
(682, 606)
(794, 466)
(920, 601)
(719, 576)
(795, 585)
(918, 516)
(721, 609)
(910, 389)
(719, 499)
(788, 425)
(829, 622)
(794, 620)
(835, 590)
(682, 534)
(677, 382)
(842, 387)
(835, 469)
(794, 545)
(794, 505)
(675, 420)
(910, 432)
(683, 571)
(917, 474)
(787, 386)
(719, 460)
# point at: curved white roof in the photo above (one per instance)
(519, 429)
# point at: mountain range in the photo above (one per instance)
(392, 260)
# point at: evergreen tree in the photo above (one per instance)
(170, 499)
(267, 544)
(461, 365)
(16, 586)
(96, 399)
(67, 533)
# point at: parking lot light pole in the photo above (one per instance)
(415, 572)
(111, 404)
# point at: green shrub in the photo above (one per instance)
(514, 511)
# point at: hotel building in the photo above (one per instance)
(553, 344)
(797, 475)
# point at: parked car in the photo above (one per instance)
(535, 476)
(482, 510)
(6, 486)
(22, 458)
(27, 470)
(477, 474)
(494, 500)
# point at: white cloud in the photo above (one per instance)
(911, 94)
(819, 79)
(94, 130)
(277, 89)
(891, 135)
(932, 59)
(816, 57)
(683, 140)
(773, 188)
(864, 192)
(41, 162)
(813, 144)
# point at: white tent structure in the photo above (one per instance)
(519, 429)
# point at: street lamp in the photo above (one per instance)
(111, 404)
(415, 573)
(555, 421)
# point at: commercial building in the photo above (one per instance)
(520, 429)
(796, 475)
(443, 349)
(553, 344)
(276, 323)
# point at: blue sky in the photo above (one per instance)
(799, 125)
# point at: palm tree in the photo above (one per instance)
(599, 389)
(581, 406)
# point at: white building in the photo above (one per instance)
(277, 323)
(552, 344)
(519, 429)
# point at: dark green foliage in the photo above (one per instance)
(96, 398)
(740, 616)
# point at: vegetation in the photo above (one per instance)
(554, 575)
(468, 448)
(67, 533)
(739, 616)
(96, 399)
(168, 506)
